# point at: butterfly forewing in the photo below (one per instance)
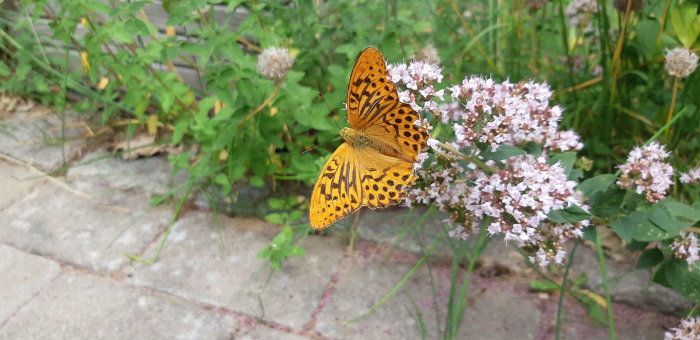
(370, 93)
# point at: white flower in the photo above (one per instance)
(691, 177)
(274, 63)
(687, 247)
(689, 329)
(646, 172)
(680, 62)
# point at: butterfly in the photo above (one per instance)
(374, 166)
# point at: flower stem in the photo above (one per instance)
(669, 116)
(262, 106)
(460, 155)
(562, 288)
(604, 276)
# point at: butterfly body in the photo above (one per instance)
(374, 166)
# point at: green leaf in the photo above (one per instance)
(650, 258)
(596, 184)
(607, 203)
(686, 22)
(566, 160)
(543, 285)
(503, 152)
(139, 27)
(590, 233)
(571, 214)
(627, 226)
(4, 70)
(275, 218)
(683, 212)
(119, 33)
(682, 280)
(277, 203)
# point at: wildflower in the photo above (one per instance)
(428, 54)
(688, 329)
(686, 248)
(691, 177)
(274, 63)
(580, 12)
(419, 79)
(680, 62)
(646, 173)
(507, 113)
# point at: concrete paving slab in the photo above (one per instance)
(84, 231)
(265, 333)
(23, 275)
(80, 306)
(361, 283)
(42, 139)
(192, 266)
(151, 174)
(16, 181)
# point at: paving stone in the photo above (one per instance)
(42, 139)
(266, 333)
(630, 323)
(79, 306)
(192, 266)
(87, 232)
(627, 284)
(411, 230)
(23, 275)
(16, 181)
(150, 174)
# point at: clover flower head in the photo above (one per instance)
(275, 62)
(680, 62)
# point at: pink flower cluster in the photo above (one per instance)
(507, 113)
(691, 177)
(686, 247)
(514, 195)
(419, 79)
(646, 172)
(689, 329)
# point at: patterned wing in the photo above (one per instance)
(374, 107)
(370, 93)
(337, 192)
(384, 179)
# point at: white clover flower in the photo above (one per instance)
(691, 177)
(689, 329)
(580, 12)
(680, 62)
(274, 63)
(646, 172)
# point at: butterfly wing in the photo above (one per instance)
(355, 177)
(337, 192)
(374, 107)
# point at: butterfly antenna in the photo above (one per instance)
(316, 146)
(329, 110)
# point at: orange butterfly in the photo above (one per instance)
(374, 166)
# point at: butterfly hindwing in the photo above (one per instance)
(337, 192)
(384, 179)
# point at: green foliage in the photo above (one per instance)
(281, 248)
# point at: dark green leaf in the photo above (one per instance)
(650, 258)
(503, 152)
(565, 159)
(571, 214)
(596, 184)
